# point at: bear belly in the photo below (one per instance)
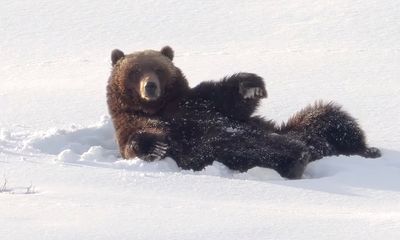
(202, 135)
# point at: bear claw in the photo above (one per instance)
(159, 151)
(255, 92)
(251, 86)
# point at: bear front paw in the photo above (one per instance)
(253, 93)
(251, 86)
(158, 152)
(149, 147)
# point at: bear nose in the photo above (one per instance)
(150, 88)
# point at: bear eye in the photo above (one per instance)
(159, 71)
(135, 72)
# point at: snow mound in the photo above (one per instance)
(78, 140)
(95, 146)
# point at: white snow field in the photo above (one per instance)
(60, 174)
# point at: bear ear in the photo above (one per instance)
(168, 52)
(116, 55)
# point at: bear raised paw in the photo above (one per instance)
(156, 114)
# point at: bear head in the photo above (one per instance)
(145, 81)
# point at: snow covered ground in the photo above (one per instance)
(60, 175)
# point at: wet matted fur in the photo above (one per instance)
(213, 121)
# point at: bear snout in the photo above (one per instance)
(150, 87)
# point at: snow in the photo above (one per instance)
(60, 173)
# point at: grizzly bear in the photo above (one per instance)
(156, 114)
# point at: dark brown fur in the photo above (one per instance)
(213, 121)
(328, 130)
(130, 113)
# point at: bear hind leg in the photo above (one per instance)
(286, 156)
(333, 125)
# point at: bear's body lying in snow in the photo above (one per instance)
(156, 114)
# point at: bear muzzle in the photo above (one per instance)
(150, 89)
